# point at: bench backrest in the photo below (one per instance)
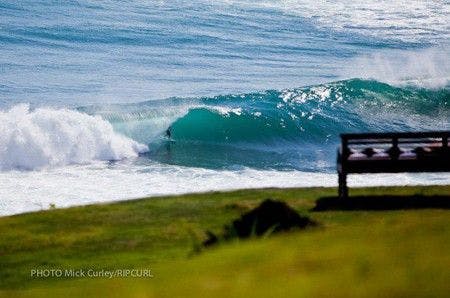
(394, 139)
(394, 152)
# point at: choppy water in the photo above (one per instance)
(254, 93)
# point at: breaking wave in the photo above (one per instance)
(285, 128)
(300, 115)
(34, 139)
(271, 129)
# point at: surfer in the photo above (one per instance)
(168, 144)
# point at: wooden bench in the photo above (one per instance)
(392, 153)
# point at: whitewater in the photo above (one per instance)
(110, 100)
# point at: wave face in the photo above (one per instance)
(289, 129)
(34, 139)
(312, 114)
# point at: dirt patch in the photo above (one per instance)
(271, 216)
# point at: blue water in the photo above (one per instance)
(78, 52)
(259, 86)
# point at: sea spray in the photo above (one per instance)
(423, 68)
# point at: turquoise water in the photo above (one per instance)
(256, 91)
(289, 129)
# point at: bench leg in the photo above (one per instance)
(343, 189)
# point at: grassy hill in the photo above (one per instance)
(398, 252)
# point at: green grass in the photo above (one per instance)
(352, 253)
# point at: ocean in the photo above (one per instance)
(112, 100)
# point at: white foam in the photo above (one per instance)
(409, 21)
(23, 191)
(35, 139)
(226, 111)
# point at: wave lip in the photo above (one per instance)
(35, 139)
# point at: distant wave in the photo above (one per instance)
(411, 21)
(33, 139)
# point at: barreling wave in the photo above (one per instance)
(285, 128)
(290, 126)
(302, 115)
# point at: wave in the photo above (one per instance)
(293, 128)
(301, 115)
(34, 139)
(287, 128)
(414, 21)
